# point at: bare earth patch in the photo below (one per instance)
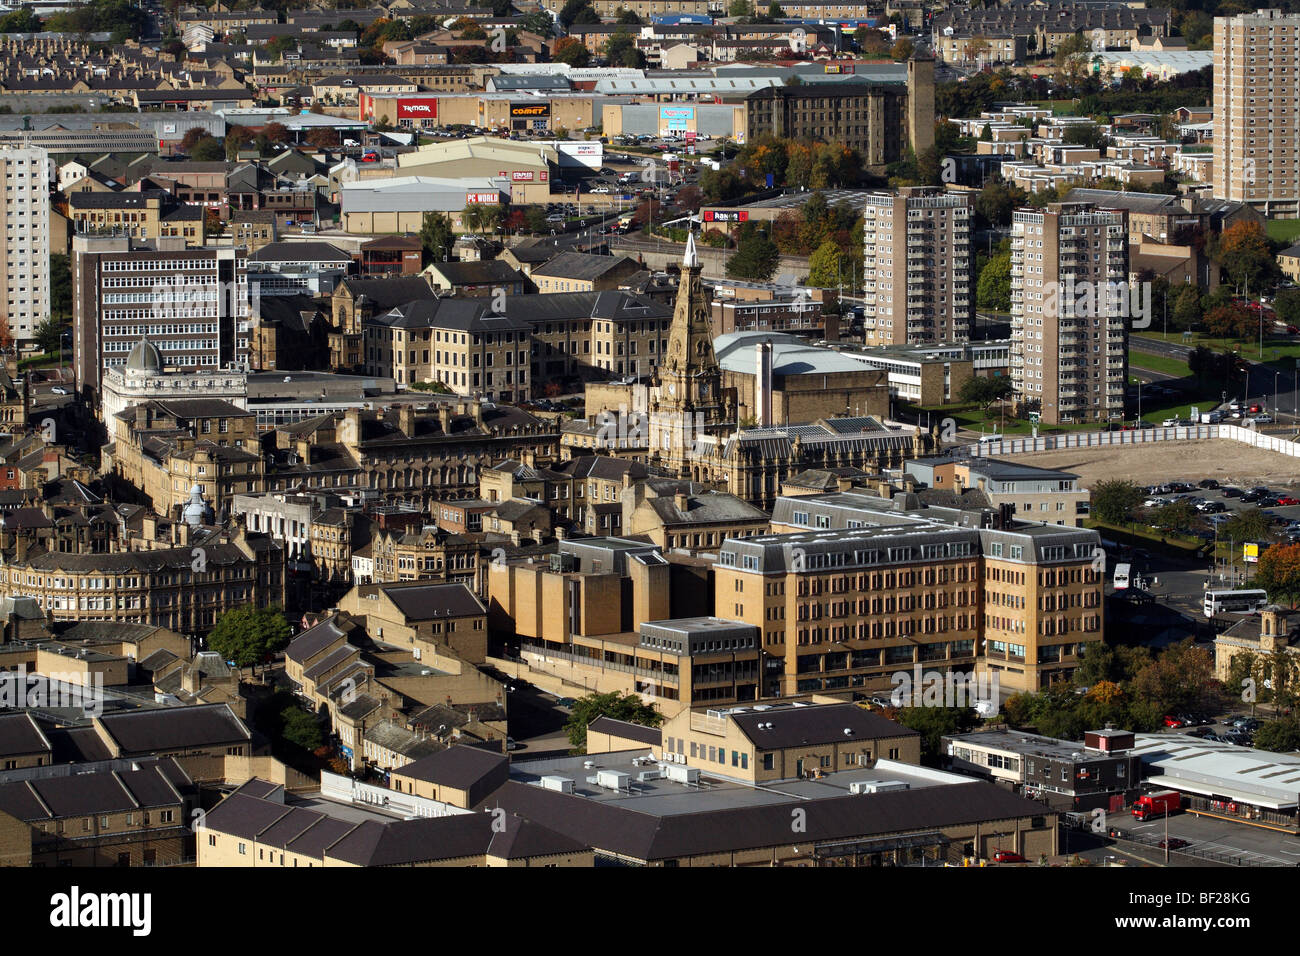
(1228, 461)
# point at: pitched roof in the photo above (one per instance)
(617, 828)
(459, 767)
(422, 602)
(820, 724)
(171, 728)
(623, 728)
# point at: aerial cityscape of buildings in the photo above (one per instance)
(655, 433)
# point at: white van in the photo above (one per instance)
(989, 439)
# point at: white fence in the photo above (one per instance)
(1088, 439)
(346, 790)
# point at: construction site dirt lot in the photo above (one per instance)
(1227, 461)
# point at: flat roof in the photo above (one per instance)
(665, 798)
(1211, 768)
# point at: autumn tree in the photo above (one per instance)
(571, 51)
(323, 137)
(1230, 322)
(276, 133)
(1278, 573)
(902, 49)
(1244, 252)
(1181, 678)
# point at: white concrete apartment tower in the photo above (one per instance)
(25, 210)
(1257, 111)
(1070, 311)
(917, 267)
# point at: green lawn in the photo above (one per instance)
(1279, 350)
(1158, 363)
(1139, 535)
(1283, 230)
(992, 422)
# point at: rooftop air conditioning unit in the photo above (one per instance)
(558, 784)
(878, 786)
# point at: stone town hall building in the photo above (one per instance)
(686, 422)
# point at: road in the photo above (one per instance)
(1278, 391)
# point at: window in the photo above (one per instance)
(243, 849)
(769, 761)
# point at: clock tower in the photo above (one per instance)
(690, 411)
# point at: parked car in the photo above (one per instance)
(1231, 492)
(1006, 856)
(1174, 843)
(1172, 721)
(58, 390)
(1287, 501)
(1264, 419)
(1207, 483)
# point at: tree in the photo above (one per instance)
(281, 45)
(1278, 736)
(323, 137)
(572, 9)
(539, 22)
(825, 266)
(740, 8)
(436, 236)
(1231, 322)
(1278, 573)
(535, 218)
(756, 256)
(60, 285)
(1287, 306)
(935, 723)
(276, 133)
(237, 138)
(620, 50)
(628, 707)
(208, 149)
(626, 16)
(571, 51)
(1180, 678)
(1244, 252)
(1248, 524)
(1175, 516)
(984, 390)
(250, 635)
(993, 288)
(1186, 312)
(49, 335)
(212, 224)
(995, 203)
(1114, 500)
(902, 50)
(192, 137)
(871, 42)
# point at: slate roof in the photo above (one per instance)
(422, 602)
(457, 767)
(171, 728)
(812, 726)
